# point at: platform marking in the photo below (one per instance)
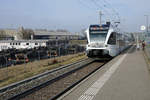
(86, 97)
(95, 88)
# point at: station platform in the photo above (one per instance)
(126, 77)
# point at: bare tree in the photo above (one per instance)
(2, 34)
(83, 32)
(26, 33)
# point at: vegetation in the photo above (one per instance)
(19, 72)
(73, 42)
(2, 34)
(26, 33)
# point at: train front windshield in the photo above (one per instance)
(98, 34)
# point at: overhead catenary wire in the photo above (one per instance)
(85, 5)
(104, 6)
(100, 7)
(107, 7)
(112, 8)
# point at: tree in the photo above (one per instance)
(2, 34)
(26, 33)
(83, 33)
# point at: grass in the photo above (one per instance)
(78, 42)
(17, 73)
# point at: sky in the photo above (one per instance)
(73, 15)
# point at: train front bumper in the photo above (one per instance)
(97, 52)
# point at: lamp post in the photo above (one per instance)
(147, 23)
(100, 17)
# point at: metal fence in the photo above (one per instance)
(13, 56)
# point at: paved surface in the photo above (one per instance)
(124, 78)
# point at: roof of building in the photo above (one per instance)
(53, 33)
(8, 41)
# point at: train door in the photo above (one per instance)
(112, 44)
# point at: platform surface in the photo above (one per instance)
(126, 77)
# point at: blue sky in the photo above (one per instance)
(73, 15)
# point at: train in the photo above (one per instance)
(106, 41)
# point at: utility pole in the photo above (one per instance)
(100, 14)
(147, 23)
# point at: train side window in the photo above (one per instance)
(47, 43)
(112, 39)
(36, 43)
(27, 43)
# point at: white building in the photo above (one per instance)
(21, 44)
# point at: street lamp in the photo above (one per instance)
(147, 22)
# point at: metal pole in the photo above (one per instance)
(100, 14)
(6, 66)
(59, 50)
(147, 23)
(24, 63)
(39, 54)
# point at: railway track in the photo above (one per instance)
(54, 87)
(15, 89)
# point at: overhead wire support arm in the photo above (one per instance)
(99, 6)
(115, 12)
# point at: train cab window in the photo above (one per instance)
(27, 43)
(112, 39)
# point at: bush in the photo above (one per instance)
(54, 61)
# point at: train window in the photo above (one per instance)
(16, 43)
(10, 43)
(19, 43)
(36, 43)
(112, 39)
(27, 43)
(47, 43)
(13, 43)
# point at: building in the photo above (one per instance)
(22, 44)
(42, 34)
(55, 35)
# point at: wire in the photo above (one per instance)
(85, 5)
(104, 6)
(104, 11)
(114, 10)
